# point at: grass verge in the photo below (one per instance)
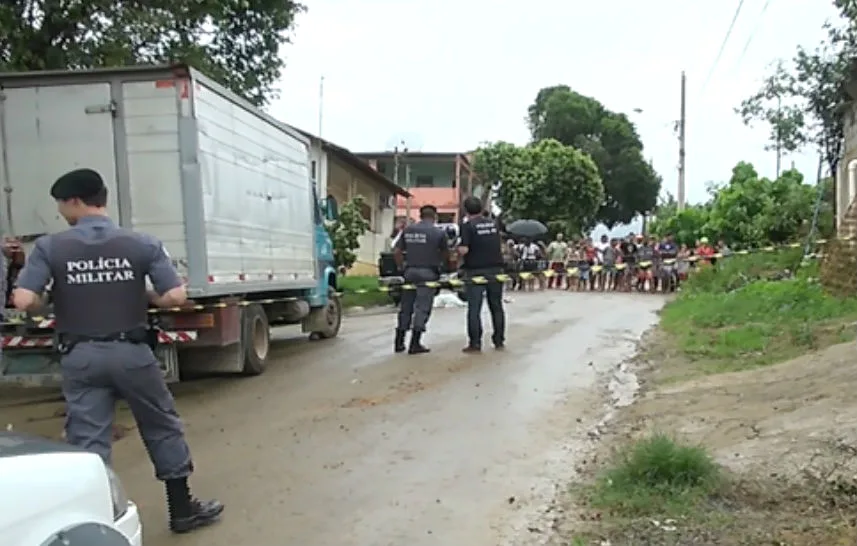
(362, 291)
(655, 475)
(737, 317)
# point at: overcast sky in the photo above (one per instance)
(447, 75)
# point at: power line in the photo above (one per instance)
(723, 44)
(755, 30)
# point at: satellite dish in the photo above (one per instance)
(412, 141)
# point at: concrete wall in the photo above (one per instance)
(343, 183)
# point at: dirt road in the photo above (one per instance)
(342, 442)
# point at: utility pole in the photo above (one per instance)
(396, 165)
(320, 105)
(681, 143)
(407, 185)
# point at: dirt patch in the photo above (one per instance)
(785, 434)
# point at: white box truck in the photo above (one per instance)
(226, 188)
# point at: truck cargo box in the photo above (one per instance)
(225, 187)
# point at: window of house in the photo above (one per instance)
(446, 218)
(425, 181)
(382, 167)
(312, 168)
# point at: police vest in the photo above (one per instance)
(99, 287)
(424, 243)
(484, 245)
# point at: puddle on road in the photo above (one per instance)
(558, 375)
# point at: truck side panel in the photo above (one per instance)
(48, 131)
(257, 197)
(150, 114)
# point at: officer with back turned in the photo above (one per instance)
(101, 306)
(421, 249)
(481, 249)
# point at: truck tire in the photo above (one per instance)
(255, 339)
(333, 317)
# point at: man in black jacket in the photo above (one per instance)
(481, 250)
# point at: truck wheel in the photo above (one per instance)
(332, 317)
(255, 339)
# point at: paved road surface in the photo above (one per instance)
(343, 443)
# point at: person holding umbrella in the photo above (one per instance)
(530, 253)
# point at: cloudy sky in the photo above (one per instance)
(447, 75)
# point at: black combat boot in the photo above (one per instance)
(187, 513)
(399, 343)
(416, 347)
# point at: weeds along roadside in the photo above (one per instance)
(658, 489)
(753, 311)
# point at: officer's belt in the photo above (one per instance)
(67, 342)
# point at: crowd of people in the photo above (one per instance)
(635, 262)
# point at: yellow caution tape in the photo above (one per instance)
(452, 283)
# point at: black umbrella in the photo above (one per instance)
(526, 228)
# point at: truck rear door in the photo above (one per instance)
(46, 131)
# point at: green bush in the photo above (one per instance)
(656, 475)
(732, 317)
(739, 270)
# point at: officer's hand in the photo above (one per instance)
(189, 305)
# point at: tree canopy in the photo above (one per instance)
(237, 42)
(346, 230)
(802, 100)
(545, 181)
(631, 185)
(749, 211)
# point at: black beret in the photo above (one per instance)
(80, 184)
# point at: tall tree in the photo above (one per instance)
(630, 184)
(774, 103)
(238, 42)
(547, 181)
(812, 88)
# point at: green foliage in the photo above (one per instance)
(656, 475)
(733, 317)
(750, 211)
(546, 181)
(740, 270)
(803, 100)
(346, 230)
(237, 42)
(774, 104)
(630, 184)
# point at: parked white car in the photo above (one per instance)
(53, 494)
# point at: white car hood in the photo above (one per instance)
(48, 487)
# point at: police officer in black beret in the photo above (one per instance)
(481, 249)
(421, 249)
(101, 306)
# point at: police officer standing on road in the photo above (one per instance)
(421, 249)
(481, 248)
(100, 303)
